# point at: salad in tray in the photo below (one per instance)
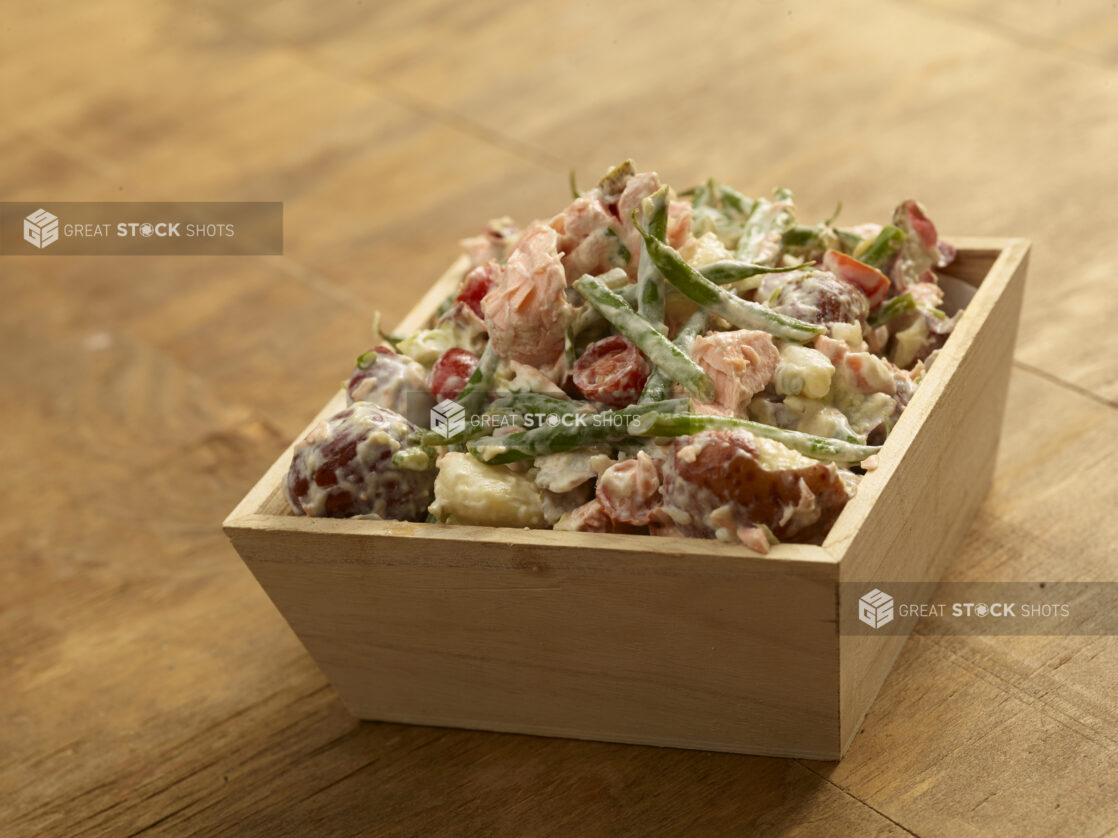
(697, 364)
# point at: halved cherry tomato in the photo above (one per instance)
(872, 281)
(612, 371)
(450, 373)
(477, 285)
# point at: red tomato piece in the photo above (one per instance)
(477, 285)
(612, 371)
(450, 373)
(872, 281)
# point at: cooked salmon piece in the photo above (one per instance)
(740, 363)
(527, 312)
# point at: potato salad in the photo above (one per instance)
(691, 364)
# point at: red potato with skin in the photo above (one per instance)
(343, 467)
(919, 223)
(724, 480)
(922, 251)
(386, 379)
(815, 296)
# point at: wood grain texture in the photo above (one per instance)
(146, 682)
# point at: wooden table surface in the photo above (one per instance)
(147, 683)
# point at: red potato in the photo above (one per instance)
(450, 373)
(815, 297)
(919, 223)
(343, 467)
(386, 379)
(872, 282)
(921, 251)
(725, 480)
(611, 371)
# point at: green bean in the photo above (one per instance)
(615, 280)
(739, 312)
(568, 433)
(655, 346)
(524, 403)
(698, 195)
(723, 272)
(650, 285)
(801, 237)
(809, 242)
(816, 447)
(892, 309)
(658, 383)
(735, 200)
(727, 271)
(884, 247)
(767, 218)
